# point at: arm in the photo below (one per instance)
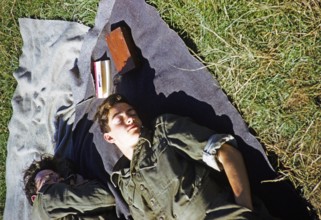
(233, 164)
(60, 199)
(218, 151)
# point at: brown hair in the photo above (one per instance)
(63, 166)
(46, 162)
(103, 110)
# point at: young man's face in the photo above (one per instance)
(125, 127)
(46, 177)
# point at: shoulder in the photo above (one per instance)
(169, 118)
(171, 124)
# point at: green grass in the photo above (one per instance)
(265, 54)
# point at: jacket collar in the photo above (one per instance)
(124, 166)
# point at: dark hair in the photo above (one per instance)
(46, 162)
(63, 166)
(103, 110)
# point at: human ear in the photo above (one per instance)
(33, 197)
(109, 138)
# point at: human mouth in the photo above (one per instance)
(132, 127)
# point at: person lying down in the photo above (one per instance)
(55, 191)
(176, 169)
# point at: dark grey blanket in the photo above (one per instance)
(169, 80)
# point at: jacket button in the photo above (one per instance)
(152, 202)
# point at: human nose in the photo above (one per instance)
(130, 120)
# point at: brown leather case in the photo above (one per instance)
(122, 50)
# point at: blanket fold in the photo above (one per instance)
(42, 96)
(54, 103)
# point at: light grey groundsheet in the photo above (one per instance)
(53, 105)
(43, 94)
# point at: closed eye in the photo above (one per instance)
(131, 112)
(117, 120)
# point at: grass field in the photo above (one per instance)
(265, 54)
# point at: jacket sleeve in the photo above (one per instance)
(60, 199)
(198, 142)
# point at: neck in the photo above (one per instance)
(128, 151)
(129, 154)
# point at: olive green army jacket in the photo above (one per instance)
(88, 200)
(168, 178)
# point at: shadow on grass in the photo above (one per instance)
(272, 156)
